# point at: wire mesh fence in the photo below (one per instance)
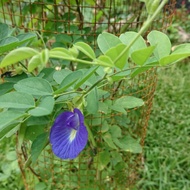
(86, 19)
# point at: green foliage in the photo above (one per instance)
(9, 42)
(39, 94)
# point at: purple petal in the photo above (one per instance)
(68, 135)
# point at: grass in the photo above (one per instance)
(167, 158)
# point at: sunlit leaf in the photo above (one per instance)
(127, 38)
(86, 49)
(114, 54)
(162, 43)
(106, 41)
(17, 55)
(142, 55)
(105, 61)
(181, 52)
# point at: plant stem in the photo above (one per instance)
(143, 29)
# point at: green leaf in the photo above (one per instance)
(8, 44)
(45, 107)
(59, 76)
(86, 76)
(162, 43)
(86, 49)
(33, 131)
(142, 55)
(70, 79)
(104, 60)
(108, 139)
(127, 38)
(114, 52)
(17, 55)
(25, 38)
(181, 52)
(61, 53)
(106, 41)
(128, 144)
(6, 87)
(38, 145)
(39, 59)
(4, 30)
(103, 159)
(16, 100)
(126, 102)
(115, 131)
(116, 157)
(44, 120)
(35, 86)
(8, 119)
(92, 101)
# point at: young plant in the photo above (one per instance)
(49, 103)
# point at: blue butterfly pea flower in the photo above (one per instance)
(68, 135)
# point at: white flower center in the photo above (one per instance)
(72, 135)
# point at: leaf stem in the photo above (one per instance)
(143, 29)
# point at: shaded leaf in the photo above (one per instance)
(92, 101)
(86, 76)
(16, 100)
(45, 107)
(35, 86)
(59, 76)
(38, 145)
(103, 159)
(128, 144)
(8, 44)
(108, 139)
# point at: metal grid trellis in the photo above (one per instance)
(86, 18)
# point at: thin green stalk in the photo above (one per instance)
(143, 29)
(26, 68)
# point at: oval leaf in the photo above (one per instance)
(18, 55)
(35, 86)
(16, 100)
(142, 55)
(106, 41)
(128, 37)
(86, 49)
(114, 52)
(162, 43)
(45, 107)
